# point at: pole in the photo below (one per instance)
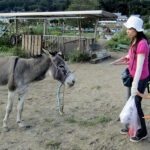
(45, 27)
(16, 36)
(80, 24)
(95, 32)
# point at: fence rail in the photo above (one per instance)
(33, 44)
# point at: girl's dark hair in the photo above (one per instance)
(139, 37)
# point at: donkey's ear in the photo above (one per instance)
(47, 52)
(60, 54)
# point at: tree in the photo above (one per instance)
(83, 5)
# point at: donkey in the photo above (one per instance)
(18, 74)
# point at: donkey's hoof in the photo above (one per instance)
(25, 127)
(6, 129)
(28, 127)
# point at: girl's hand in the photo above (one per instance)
(139, 94)
(143, 95)
(121, 61)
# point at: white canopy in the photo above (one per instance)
(87, 13)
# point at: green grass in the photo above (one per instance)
(100, 119)
(74, 109)
(70, 120)
(6, 54)
(104, 119)
(53, 145)
(48, 120)
(96, 87)
(87, 123)
(121, 38)
(12, 51)
(96, 99)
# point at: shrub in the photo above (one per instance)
(146, 26)
(4, 40)
(148, 36)
(19, 52)
(121, 38)
(79, 57)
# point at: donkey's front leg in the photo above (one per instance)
(11, 96)
(20, 107)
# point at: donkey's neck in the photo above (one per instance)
(39, 67)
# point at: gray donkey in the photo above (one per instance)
(18, 73)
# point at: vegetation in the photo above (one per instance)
(122, 38)
(7, 50)
(125, 7)
(53, 145)
(99, 119)
(79, 57)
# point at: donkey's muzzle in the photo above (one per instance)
(70, 80)
(72, 84)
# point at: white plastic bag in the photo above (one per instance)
(130, 116)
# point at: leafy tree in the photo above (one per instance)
(83, 5)
(126, 7)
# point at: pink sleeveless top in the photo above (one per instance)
(142, 48)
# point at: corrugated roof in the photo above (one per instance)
(87, 13)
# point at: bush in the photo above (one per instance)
(119, 38)
(122, 38)
(19, 52)
(79, 57)
(148, 36)
(5, 40)
(146, 26)
(38, 30)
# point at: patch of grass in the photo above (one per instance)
(87, 123)
(75, 147)
(74, 109)
(79, 57)
(104, 119)
(84, 138)
(6, 54)
(48, 120)
(96, 87)
(53, 144)
(100, 119)
(70, 120)
(96, 99)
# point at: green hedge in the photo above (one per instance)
(122, 38)
(79, 57)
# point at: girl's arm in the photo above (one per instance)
(121, 61)
(139, 67)
(143, 95)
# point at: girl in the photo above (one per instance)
(139, 71)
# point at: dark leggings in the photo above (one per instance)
(141, 88)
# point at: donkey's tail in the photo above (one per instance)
(11, 82)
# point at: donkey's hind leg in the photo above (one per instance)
(11, 96)
(21, 96)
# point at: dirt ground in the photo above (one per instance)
(92, 108)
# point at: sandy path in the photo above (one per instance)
(98, 93)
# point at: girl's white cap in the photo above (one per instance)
(134, 22)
